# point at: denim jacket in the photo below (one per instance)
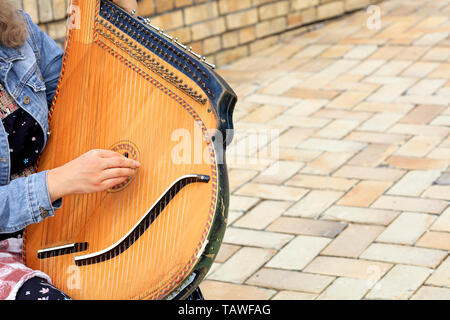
(30, 74)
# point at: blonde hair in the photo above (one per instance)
(13, 30)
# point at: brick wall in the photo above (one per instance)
(222, 30)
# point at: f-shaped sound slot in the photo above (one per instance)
(139, 229)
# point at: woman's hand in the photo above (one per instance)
(94, 171)
(128, 5)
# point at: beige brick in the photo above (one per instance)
(432, 293)
(441, 276)
(208, 29)
(270, 27)
(405, 255)
(293, 295)
(279, 172)
(435, 240)
(242, 265)
(364, 193)
(298, 253)
(314, 204)
(443, 222)
(337, 129)
(227, 6)
(216, 290)
(329, 10)
(349, 268)
(414, 183)
(290, 280)
(332, 145)
(437, 192)
(169, 21)
(345, 289)
(225, 252)
(272, 10)
(373, 155)
(321, 182)
(242, 19)
(263, 214)
(379, 174)
(274, 192)
(353, 241)
(407, 228)
(400, 283)
(360, 215)
(410, 204)
(254, 238)
(413, 163)
(419, 146)
(201, 12)
(310, 227)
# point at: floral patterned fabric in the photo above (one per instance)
(25, 139)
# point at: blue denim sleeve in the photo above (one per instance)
(25, 201)
(49, 57)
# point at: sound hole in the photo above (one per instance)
(130, 151)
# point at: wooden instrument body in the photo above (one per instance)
(120, 89)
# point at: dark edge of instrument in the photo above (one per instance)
(216, 89)
(223, 100)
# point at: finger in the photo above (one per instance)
(107, 153)
(117, 173)
(120, 162)
(108, 184)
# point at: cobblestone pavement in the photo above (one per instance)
(339, 172)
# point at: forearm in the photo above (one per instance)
(25, 201)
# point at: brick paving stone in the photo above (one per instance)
(438, 192)
(242, 264)
(376, 137)
(366, 173)
(419, 146)
(441, 276)
(431, 293)
(403, 254)
(414, 163)
(331, 145)
(348, 100)
(290, 280)
(314, 203)
(380, 122)
(400, 283)
(360, 215)
(345, 289)
(278, 172)
(364, 193)
(410, 204)
(273, 192)
(437, 240)
(443, 222)
(218, 290)
(321, 182)
(373, 155)
(262, 214)
(326, 163)
(360, 200)
(293, 295)
(242, 203)
(298, 253)
(407, 228)
(310, 227)
(350, 268)
(414, 183)
(353, 241)
(337, 129)
(226, 251)
(256, 238)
